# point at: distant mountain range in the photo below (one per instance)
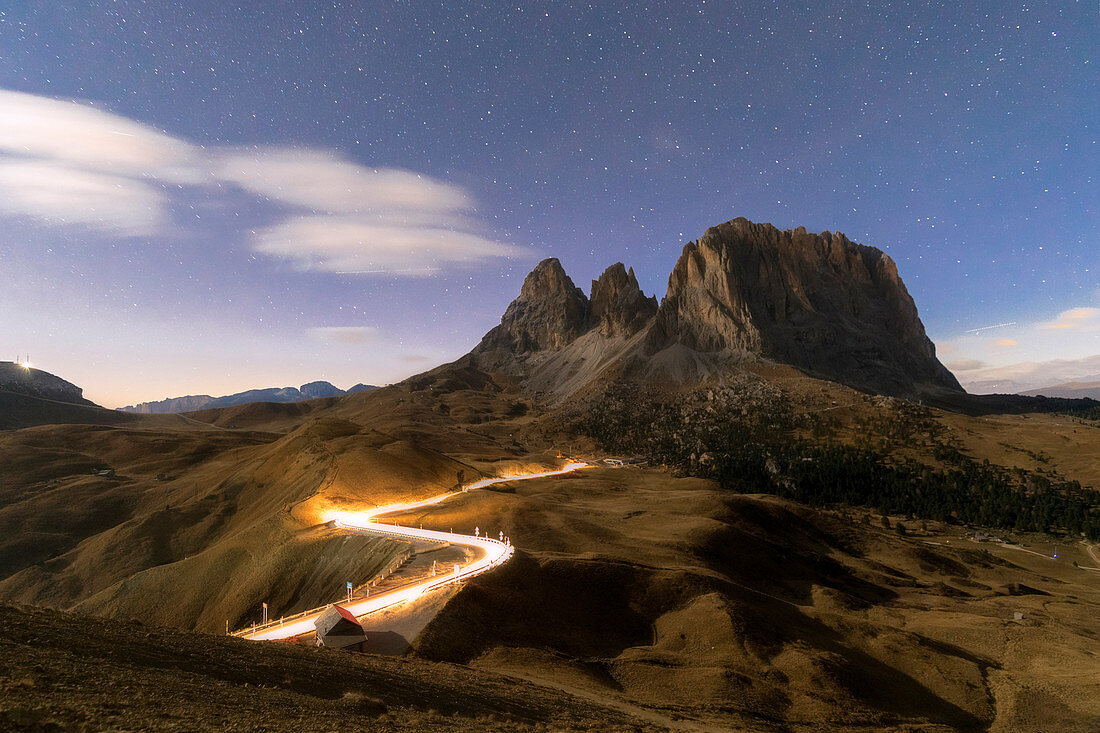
(1073, 390)
(190, 403)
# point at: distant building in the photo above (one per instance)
(337, 628)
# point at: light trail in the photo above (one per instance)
(488, 554)
(987, 328)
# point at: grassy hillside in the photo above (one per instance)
(68, 672)
(736, 610)
(674, 599)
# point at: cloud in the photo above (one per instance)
(966, 365)
(1005, 343)
(324, 182)
(1075, 319)
(57, 194)
(359, 220)
(1031, 375)
(70, 163)
(66, 163)
(354, 245)
(344, 334)
(81, 136)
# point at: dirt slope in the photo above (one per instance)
(67, 672)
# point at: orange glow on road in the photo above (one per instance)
(488, 553)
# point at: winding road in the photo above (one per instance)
(488, 553)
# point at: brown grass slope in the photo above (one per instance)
(212, 519)
(664, 597)
(22, 411)
(736, 610)
(70, 672)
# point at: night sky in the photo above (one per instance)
(202, 198)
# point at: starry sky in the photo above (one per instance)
(206, 197)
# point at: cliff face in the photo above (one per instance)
(819, 302)
(619, 307)
(833, 308)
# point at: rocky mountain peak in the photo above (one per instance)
(833, 308)
(819, 302)
(619, 307)
(549, 313)
(548, 280)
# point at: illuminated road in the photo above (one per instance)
(488, 553)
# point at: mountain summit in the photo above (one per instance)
(832, 308)
(549, 313)
(819, 302)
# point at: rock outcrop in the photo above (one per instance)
(37, 383)
(619, 307)
(831, 307)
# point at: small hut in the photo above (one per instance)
(337, 628)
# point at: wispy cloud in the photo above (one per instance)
(70, 163)
(344, 334)
(1075, 319)
(966, 365)
(82, 136)
(360, 220)
(1020, 359)
(66, 163)
(356, 245)
(324, 182)
(55, 193)
(1029, 375)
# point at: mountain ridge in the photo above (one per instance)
(744, 291)
(191, 403)
(1071, 390)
